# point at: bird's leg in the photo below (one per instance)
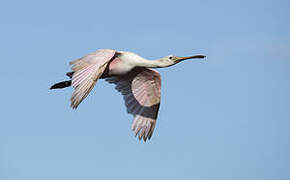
(63, 84)
(70, 74)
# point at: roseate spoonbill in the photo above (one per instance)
(133, 77)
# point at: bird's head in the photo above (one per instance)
(171, 59)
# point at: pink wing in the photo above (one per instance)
(87, 71)
(141, 91)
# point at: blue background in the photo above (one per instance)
(224, 118)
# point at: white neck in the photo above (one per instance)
(138, 61)
(158, 63)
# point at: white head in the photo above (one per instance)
(171, 59)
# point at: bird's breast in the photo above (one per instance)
(119, 67)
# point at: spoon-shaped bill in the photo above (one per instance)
(191, 57)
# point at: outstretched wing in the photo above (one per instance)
(87, 71)
(141, 91)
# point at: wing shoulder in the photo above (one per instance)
(87, 71)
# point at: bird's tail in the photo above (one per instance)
(61, 85)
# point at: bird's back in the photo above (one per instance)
(122, 63)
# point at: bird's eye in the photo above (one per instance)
(170, 57)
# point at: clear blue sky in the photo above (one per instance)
(224, 118)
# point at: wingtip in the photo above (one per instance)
(73, 107)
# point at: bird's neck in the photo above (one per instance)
(138, 61)
(158, 63)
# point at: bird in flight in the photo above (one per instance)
(134, 79)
